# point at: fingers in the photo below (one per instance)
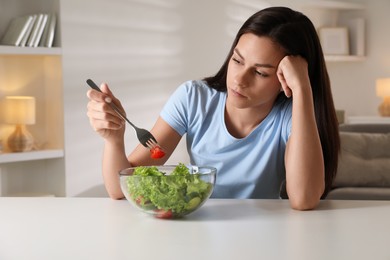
(292, 73)
(283, 83)
(105, 89)
(103, 111)
(103, 123)
(108, 97)
(101, 115)
(104, 96)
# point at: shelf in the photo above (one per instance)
(34, 71)
(340, 14)
(30, 156)
(339, 58)
(14, 50)
(336, 5)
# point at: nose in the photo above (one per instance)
(241, 78)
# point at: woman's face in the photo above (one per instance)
(251, 76)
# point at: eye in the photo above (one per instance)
(261, 74)
(235, 60)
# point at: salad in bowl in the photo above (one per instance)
(169, 191)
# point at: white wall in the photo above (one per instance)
(145, 48)
(354, 83)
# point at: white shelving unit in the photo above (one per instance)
(334, 14)
(342, 58)
(33, 72)
(13, 50)
(31, 156)
(336, 5)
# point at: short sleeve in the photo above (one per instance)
(175, 111)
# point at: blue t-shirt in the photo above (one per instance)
(250, 167)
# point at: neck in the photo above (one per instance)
(240, 122)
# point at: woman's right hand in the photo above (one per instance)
(103, 119)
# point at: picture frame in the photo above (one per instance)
(334, 40)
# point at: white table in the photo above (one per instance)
(100, 228)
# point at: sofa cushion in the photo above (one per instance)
(365, 128)
(364, 160)
(359, 193)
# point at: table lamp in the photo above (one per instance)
(20, 111)
(383, 90)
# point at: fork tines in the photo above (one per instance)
(151, 143)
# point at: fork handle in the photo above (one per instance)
(112, 105)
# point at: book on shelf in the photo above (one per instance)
(48, 33)
(16, 30)
(23, 43)
(41, 27)
(35, 30)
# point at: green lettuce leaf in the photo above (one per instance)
(180, 191)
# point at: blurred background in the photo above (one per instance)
(144, 49)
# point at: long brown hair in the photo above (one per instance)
(296, 34)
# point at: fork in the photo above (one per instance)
(143, 135)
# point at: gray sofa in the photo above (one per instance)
(364, 164)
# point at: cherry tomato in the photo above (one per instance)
(165, 214)
(139, 200)
(157, 152)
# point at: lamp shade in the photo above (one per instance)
(19, 110)
(383, 87)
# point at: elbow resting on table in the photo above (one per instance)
(304, 202)
(115, 195)
(305, 197)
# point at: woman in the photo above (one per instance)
(266, 118)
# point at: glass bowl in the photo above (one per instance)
(168, 194)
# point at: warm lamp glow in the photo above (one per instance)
(20, 111)
(383, 90)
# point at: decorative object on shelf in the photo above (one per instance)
(383, 90)
(357, 32)
(334, 40)
(20, 111)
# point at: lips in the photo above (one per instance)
(237, 93)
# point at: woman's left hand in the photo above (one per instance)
(293, 74)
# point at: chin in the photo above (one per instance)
(237, 103)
